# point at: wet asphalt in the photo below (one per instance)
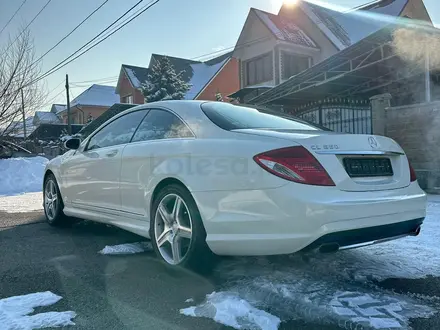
(123, 292)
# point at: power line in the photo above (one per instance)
(53, 98)
(35, 17)
(61, 64)
(74, 29)
(7, 23)
(95, 80)
(58, 85)
(245, 44)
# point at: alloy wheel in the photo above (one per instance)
(173, 229)
(51, 202)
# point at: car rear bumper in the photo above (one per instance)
(355, 238)
(298, 217)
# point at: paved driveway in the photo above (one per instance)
(138, 292)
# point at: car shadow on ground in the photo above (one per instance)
(113, 292)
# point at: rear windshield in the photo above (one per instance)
(230, 117)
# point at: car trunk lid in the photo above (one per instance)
(354, 162)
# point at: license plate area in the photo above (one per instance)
(368, 166)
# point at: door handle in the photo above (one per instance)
(112, 153)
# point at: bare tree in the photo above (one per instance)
(18, 72)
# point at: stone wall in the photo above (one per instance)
(417, 129)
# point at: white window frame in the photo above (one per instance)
(128, 99)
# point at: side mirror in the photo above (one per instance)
(72, 143)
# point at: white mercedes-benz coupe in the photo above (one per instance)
(202, 177)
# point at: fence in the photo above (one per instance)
(339, 115)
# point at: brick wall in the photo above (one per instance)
(416, 129)
(125, 88)
(79, 116)
(225, 82)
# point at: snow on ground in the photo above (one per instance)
(411, 257)
(129, 248)
(229, 309)
(338, 289)
(14, 312)
(22, 203)
(21, 175)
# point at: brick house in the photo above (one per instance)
(90, 104)
(207, 79)
(272, 48)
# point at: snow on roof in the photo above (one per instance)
(46, 117)
(195, 73)
(202, 74)
(385, 7)
(137, 75)
(97, 95)
(284, 29)
(134, 80)
(17, 128)
(345, 29)
(58, 107)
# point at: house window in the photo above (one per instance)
(128, 99)
(293, 64)
(259, 70)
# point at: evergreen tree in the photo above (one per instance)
(164, 83)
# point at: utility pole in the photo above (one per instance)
(69, 126)
(24, 114)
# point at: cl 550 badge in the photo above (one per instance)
(324, 147)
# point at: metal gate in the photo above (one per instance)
(339, 115)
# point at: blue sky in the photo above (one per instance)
(182, 28)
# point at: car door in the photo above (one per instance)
(159, 136)
(91, 175)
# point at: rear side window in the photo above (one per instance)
(161, 124)
(230, 117)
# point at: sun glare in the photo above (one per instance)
(290, 2)
(276, 4)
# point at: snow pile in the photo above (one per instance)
(229, 309)
(129, 248)
(21, 175)
(22, 203)
(14, 312)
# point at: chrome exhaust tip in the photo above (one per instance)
(417, 231)
(328, 248)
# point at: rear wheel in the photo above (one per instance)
(53, 203)
(177, 231)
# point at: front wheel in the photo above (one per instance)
(177, 231)
(53, 203)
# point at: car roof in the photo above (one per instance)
(185, 109)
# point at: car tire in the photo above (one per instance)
(53, 203)
(195, 253)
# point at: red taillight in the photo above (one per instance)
(412, 173)
(294, 164)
